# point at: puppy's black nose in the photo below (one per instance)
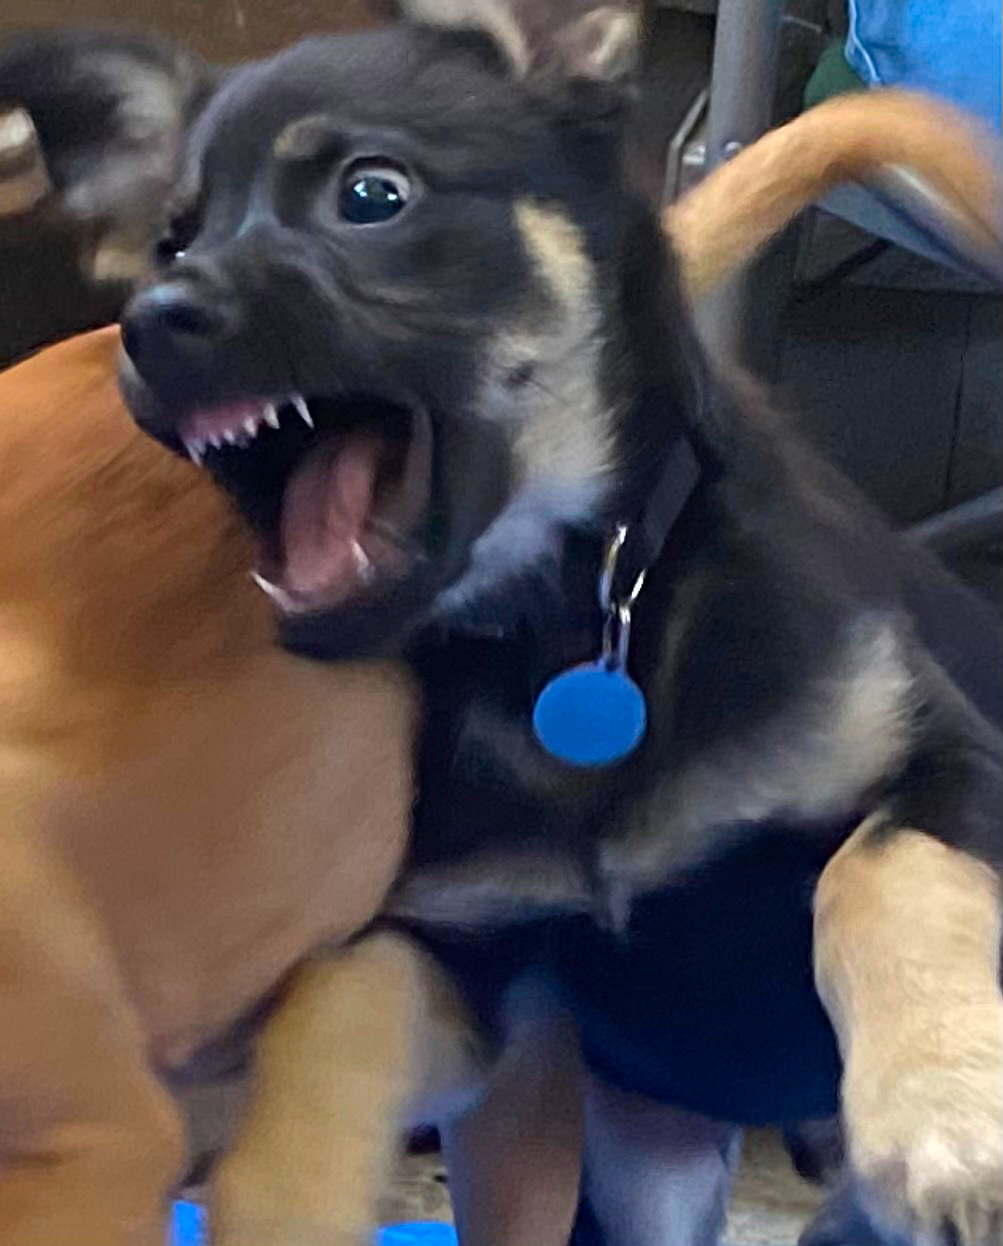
(170, 332)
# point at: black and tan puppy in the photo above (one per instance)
(415, 254)
(426, 335)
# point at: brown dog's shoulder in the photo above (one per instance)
(123, 569)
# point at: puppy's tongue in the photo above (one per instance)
(324, 511)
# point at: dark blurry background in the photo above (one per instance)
(225, 30)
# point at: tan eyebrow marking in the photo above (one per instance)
(305, 138)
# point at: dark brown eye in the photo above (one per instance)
(178, 237)
(372, 192)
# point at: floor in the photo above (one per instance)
(769, 1207)
(770, 1204)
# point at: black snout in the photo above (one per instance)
(171, 332)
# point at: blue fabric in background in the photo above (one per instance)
(950, 48)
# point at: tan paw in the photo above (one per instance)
(927, 1143)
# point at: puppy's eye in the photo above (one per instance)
(178, 237)
(372, 193)
(168, 250)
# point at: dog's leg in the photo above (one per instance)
(515, 1158)
(907, 959)
(89, 1141)
(335, 1069)
(655, 1174)
(842, 1218)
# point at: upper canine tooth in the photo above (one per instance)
(194, 449)
(285, 601)
(304, 411)
(251, 426)
(363, 567)
(271, 415)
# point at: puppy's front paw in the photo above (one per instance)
(927, 1142)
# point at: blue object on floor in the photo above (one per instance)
(421, 1233)
(188, 1228)
(187, 1225)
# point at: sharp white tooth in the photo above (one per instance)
(304, 411)
(214, 441)
(274, 593)
(251, 426)
(271, 415)
(363, 567)
(230, 437)
(194, 449)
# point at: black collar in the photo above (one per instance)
(563, 621)
(571, 621)
(648, 533)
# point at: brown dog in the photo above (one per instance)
(190, 813)
(153, 886)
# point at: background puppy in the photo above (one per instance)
(109, 113)
(90, 126)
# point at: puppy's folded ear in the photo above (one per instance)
(107, 115)
(550, 40)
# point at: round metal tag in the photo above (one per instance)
(591, 715)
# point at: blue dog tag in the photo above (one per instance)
(591, 715)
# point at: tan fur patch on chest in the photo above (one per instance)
(846, 734)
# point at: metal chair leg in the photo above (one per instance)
(743, 86)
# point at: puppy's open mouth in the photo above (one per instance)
(338, 490)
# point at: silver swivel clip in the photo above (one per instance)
(616, 611)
